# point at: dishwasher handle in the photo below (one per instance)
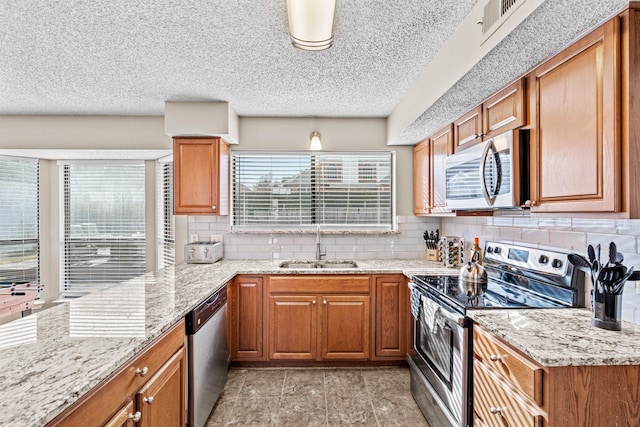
(197, 318)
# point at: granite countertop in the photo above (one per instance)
(53, 357)
(562, 337)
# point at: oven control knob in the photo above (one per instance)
(543, 259)
(497, 250)
(556, 263)
(489, 249)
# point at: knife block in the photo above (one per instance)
(607, 310)
(433, 255)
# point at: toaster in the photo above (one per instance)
(202, 252)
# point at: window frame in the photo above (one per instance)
(320, 171)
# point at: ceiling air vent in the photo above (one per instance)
(496, 12)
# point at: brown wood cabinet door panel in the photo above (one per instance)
(576, 142)
(391, 313)
(162, 400)
(345, 327)
(468, 129)
(195, 175)
(125, 416)
(504, 111)
(247, 318)
(499, 405)
(292, 327)
(508, 362)
(421, 178)
(441, 148)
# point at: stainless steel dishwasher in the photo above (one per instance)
(208, 356)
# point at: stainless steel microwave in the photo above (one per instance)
(491, 175)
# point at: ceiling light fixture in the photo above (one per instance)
(311, 23)
(315, 143)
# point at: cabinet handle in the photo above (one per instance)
(529, 203)
(148, 400)
(313, 302)
(495, 411)
(213, 207)
(135, 417)
(496, 357)
(324, 302)
(142, 372)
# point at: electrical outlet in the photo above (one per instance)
(194, 237)
(216, 238)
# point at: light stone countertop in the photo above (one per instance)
(53, 357)
(562, 337)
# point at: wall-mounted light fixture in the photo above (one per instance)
(314, 141)
(311, 23)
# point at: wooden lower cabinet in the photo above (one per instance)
(392, 317)
(509, 389)
(344, 322)
(149, 390)
(246, 318)
(319, 317)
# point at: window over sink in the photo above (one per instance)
(298, 190)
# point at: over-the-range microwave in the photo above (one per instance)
(493, 174)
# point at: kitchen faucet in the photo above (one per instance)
(319, 253)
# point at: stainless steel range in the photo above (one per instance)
(519, 276)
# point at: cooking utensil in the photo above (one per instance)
(597, 249)
(591, 253)
(613, 252)
(580, 263)
(617, 287)
(474, 277)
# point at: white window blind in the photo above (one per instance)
(293, 190)
(104, 224)
(165, 220)
(19, 241)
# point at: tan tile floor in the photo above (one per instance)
(317, 397)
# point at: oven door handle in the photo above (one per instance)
(452, 316)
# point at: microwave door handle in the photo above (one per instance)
(489, 147)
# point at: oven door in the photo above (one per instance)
(442, 358)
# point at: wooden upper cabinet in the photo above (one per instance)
(429, 180)
(575, 113)
(421, 179)
(504, 111)
(201, 176)
(468, 128)
(441, 148)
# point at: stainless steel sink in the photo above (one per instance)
(326, 264)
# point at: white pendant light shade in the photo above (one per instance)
(311, 23)
(315, 143)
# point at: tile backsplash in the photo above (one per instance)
(407, 243)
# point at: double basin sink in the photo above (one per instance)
(324, 264)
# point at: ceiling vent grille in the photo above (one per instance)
(496, 12)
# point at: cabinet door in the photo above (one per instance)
(391, 316)
(127, 416)
(575, 103)
(345, 327)
(201, 176)
(292, 327)
(468, 129)
(246, 318)
(441, 148)
(504, 111)
(162, 400)
(421, 178)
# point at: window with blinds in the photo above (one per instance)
(294, 190)
(165, 220)
(104, 224)
(19, 240)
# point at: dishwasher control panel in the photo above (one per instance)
(199, 315)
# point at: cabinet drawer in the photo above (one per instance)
(508, 362)
(97, 405)
(315, 284)
(498, 404)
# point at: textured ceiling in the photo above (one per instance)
(124, 57)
